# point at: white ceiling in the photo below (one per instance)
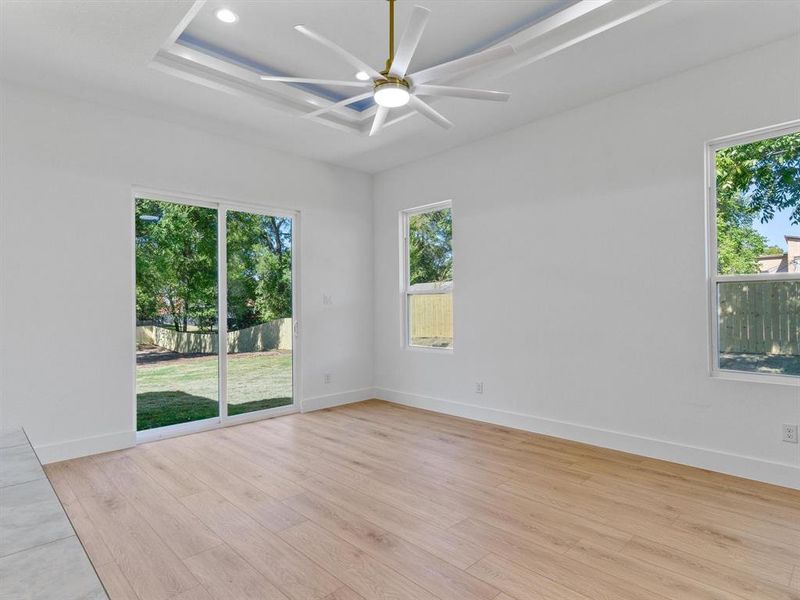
(103, 51)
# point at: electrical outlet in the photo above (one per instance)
(790, 433)
(327, 300)
(478, 387)
(326, 378)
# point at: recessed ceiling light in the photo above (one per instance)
(361, 76)
(226, 15)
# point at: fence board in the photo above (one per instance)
(431, 316)
(273, 335)
(760, 317)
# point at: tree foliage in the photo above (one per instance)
(259, 269)
(430, 247)
(754, 181)
(176, 266)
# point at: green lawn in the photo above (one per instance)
(182, 390)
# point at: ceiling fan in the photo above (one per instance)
(394, 86)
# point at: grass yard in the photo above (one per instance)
(185, 389)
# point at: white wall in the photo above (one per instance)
(580, 290)
(603, 342)
(66, 251)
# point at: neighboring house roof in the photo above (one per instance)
(788, 262)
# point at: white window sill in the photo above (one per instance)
(770, 378)
(429, 349)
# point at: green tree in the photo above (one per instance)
(753, 182)
(430, 247)
(259, 269)
(176, 264)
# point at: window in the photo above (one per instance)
(754, 259)
(428, 276)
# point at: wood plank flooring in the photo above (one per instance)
(374, 501)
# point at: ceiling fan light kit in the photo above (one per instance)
(391, 93)
(393, 87)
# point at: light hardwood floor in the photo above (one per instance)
(377, 501)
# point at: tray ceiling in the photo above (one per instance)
(264, 39)
(132, 55)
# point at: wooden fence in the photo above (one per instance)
(273, 335)
(760, 317)
(431, 316)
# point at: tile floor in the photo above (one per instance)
(41, 558)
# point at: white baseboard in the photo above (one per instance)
(320, 402)
(733, 464)
(49, 453)
(748, 467)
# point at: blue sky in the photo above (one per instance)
(778, 227)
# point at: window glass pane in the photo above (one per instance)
(759, 326)
(259, 312)
(430, 249)
(431, 320)
(176, 314)
(758, 207)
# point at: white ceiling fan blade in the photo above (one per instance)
(316, 81)
(340, 104)
(458, 92)
(379, 120)
(425, 110)
(409, 41)
(460, 65)
(353, 60)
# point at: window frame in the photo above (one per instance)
(406, 289)
(713, 279)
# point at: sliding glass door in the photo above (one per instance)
(259, 258)
(177, 361)
(193, 264)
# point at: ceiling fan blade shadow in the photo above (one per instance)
(340, 104)
(352, 59)
(425, 110)
(409, 41)
(379, 120)
(458, 92)
(311, 80)
(461, 65)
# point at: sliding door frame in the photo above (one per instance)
(222, 206)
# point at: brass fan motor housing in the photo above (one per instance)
(394, 81)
